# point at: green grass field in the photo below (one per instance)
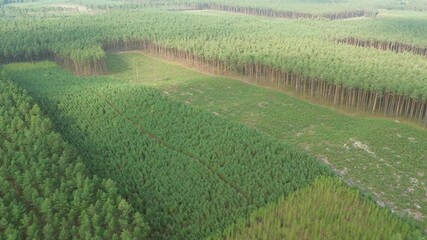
(385, 157)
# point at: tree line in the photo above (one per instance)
(301, 55)
(268, 12)
(286, 9)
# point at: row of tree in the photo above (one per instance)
(385, 45)
(45, 191)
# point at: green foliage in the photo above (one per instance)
(303, 47)
(44, 189)
(192, 173)
(328, 209)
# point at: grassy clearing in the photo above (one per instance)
(382, 13)
(385, 157)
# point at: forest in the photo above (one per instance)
(46, 190)
(213, 119)
(285, 62)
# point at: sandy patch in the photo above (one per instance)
(360, 145)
